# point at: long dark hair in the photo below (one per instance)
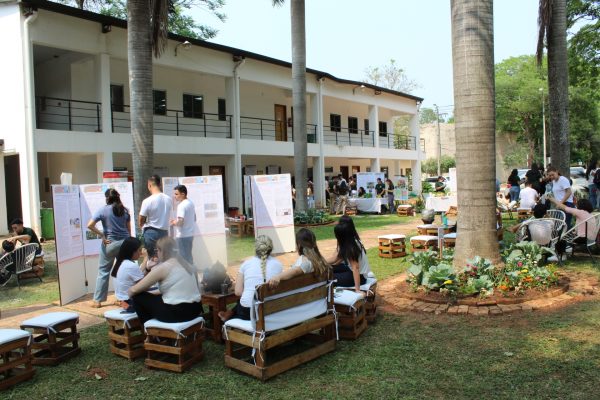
(514, 173)
(130, 245)
(114, 198)
(349, 245)
(591, 166)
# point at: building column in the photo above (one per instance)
(232, 90)
(396, 170)
(104, 162)
(416, 164)
(3, 216)
(374, 126)
(316, 104)
(103, 91)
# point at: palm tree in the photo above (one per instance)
(552, 21)
(299, 99)
(473, 70)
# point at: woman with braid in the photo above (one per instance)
(253, 272)
(309, 260)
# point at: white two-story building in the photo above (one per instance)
(218, 110)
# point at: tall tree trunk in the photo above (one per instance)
(139, 50)
(299, 100)
(558, 87)
(473, 70)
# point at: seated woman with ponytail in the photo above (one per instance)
(126, 271)
(179, 298)
(253, 272)
(309, 260)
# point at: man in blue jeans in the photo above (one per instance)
(184, 223)
(154, 215)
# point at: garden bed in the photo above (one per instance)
(313, 225)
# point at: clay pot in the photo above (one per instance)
(427, 216)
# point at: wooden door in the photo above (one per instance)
(280, 123)
(192, 170)
(344, 172)
(220, 170)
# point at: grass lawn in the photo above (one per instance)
(542, 355)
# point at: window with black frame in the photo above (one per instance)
(222, 110)
(193, 106)
(383, 128)
(335, 122)
(366, 126)
(160, 102)
(117, 99)
(352, 124)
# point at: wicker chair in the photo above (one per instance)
(571, 235)
(557, 228)
(24, 257)
(557, 214)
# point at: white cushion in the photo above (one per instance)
(10, 335)
(426, 226)
(450, 235)
(176, 327)
(285, 318)
(347, 297)
(119, 315)
(371, 280)
(404, 206)
(423, 237)
(391, 237)
(50, 319)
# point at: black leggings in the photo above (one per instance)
(343, 274)
(241, 312)
(148, 306)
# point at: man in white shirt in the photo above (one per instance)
(561, 189)
(528, 196)
(185, 223)
(154, 215)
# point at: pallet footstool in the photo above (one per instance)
(15, 357)
(405, 210)
(174, 346)
(351, 313)
(450, 240)
(523, 214)
(392, 246)
(369, 289)
(423, 242)
(126, 334)
(425, 228)
(55, 337)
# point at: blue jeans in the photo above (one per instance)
(184, 245)
(151, 236)
(514, 193)
(569, 217)
(594, 195)
(108, 253)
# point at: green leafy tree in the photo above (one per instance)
(390, 76)
(427, 116)
(429, 166)
(584, 44)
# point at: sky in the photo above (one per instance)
(344, 37)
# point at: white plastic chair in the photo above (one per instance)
(24, 257)
(557, 214)
(557, 228)
(5, 261)
(570, 236)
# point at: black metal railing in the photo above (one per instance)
(400, 142)
(269, 129)
(174, 123)
(348, 136)
(67, 114)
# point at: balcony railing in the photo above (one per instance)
(67, 114)
(348, 136)
(401, 142)
(269, 129)
(173, 123)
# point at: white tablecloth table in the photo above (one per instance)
(440, 204)
(372, 205)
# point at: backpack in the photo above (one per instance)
(214, 276)
(597, 178)
(343, 188)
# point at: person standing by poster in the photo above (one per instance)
(185, 223)
(116, 225)
(154, 215)
(390, 195)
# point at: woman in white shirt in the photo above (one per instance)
(253, 272)
(309, 259)
(179, 298)
(350, 264)
(126, 271)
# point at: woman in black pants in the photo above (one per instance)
(179, 297)
(350, 264)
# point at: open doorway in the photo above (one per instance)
(220, 170)
(12, 184)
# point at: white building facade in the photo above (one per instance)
(218, 110)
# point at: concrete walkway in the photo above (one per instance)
(12, 318)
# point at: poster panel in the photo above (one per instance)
(273, 210)
(453, 181)
(91, 199)
(400, 187)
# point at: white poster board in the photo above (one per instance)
(368, 180)
(273, 210)
(400, 187)
(247, 196)
(210, 243)
(168, 188)
(453, 182)
(69, 243)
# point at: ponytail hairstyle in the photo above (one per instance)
(349, 246)
(130, 245)
(307, 247)
(114, 198)
(263, 248)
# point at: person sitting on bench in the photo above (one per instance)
(127, 272)
(259, 269)
(179, 298)
(350, 264)
(309, 260)
(24, 235)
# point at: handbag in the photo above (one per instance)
(214, 277)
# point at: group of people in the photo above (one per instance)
(338, 190)
(349, 265)
(165, 284)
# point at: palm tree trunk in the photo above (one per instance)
(558, 87)
(299, 100)
(473, 70)
(139, 50)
